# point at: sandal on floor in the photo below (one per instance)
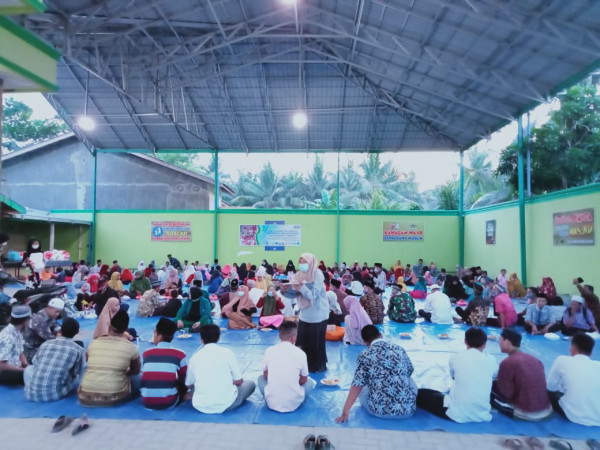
(310, 442)
(534, 443)
(513, 444)
(81, 425)
(593, 444)
(61, 423)
(558, 445)
(323, 443)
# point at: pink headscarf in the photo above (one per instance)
(173, 278)
(111, 307)
(306, 277)
(358, 315)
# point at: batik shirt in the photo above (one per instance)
(385, 369)
(402, 308)
(11, 345)
(374, 307)
(478, 311)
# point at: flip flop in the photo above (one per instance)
(61, 423)
(81, 425)
(593, 444)
(558, 445)
(310, 442)
(534, 443)
(513, 444)
(323, 443)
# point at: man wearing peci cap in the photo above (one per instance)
(164, 370)
(43, 327)
(372, 303)
(577, 317)
(519, 390)
(12, 357)
(380, 278)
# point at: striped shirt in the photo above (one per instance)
(164, 372)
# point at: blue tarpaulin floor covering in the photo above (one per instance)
(427, 351)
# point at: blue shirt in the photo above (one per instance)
(581, 321)
(539, 316)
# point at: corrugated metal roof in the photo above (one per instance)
(371, 74)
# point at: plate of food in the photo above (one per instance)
(266, 329)
(492, 337)
(405, 336)
(184, 336)
(330, 382)
(552, 336)
(443, 336)
(223, 329)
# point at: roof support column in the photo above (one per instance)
(51, 242)
(337, 232)
(216, 221)
(461, 213)
(521, 173)
(92, 236)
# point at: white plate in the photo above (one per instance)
(334, 382)
(552, 336)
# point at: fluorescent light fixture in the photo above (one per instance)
(299, 119)
(86, 123)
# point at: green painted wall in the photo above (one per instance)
(362, 240)
(562, 263)
(125, 236)
(318, 237)
(505, 254)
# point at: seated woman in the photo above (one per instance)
(139, 285)
(272, 306)
(515, 287)
(240, 308)
(85, 299)
(401, 307)
(194, 312)
(215, 281)
(116, 284)
(454, 289)
(355, 321)
(112, 307)
(420, 290)
(172, 281)
(126, 276)
(335, 311)
(428, 278)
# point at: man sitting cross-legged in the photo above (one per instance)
(285, 383)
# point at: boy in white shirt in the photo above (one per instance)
(285, 383)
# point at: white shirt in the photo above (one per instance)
(469, 398)
(285, 363)
(438, 304)
(212, 371)
(381, 280)
(95, 269)
(578, 377)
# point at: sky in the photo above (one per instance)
(431, 168)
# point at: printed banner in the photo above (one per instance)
(574, 227)
(271, 235)
(171, 231)
(490, 232)
(403, 231)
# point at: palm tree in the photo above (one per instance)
(315, 182)
(261, 191)
(448, 195)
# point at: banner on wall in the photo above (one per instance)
(171, 231)
(574, 227)
(272, 235)
(490, 232)
(403, 231)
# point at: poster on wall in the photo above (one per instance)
(490, 232)
(272, 235)
(171, 231)
(403, 231)
(574, 227)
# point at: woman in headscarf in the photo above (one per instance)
(104, 293)
(271, 304)
(314, 311)
(141, 266)
(454, 289)
(242, 272)
(79, 276)
(355, 321)
(428, 278)
(515, 287)
(335, 312)
(420, 290)
(139, 285)
(126, 276)
(194, 312)
(261, 279)
(111, 307)
(215, 281)
(372, 303)
(322, 266)
(240, 308)
(104, 270)
(172, 281)
(290, 268)
(116, 284)
(548, 288)
(398, 271)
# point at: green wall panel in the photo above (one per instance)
(505, 254)
(126, 237)
(362, 239)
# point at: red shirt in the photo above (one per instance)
(503, 304)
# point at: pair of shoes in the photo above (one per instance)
(317, 443)
(558, 445)
(64, 421)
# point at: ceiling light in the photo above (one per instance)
(289, 2)
(86, 123)
(299, 119)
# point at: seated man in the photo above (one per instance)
(214, 374)
(577, 318)
(574, 383)
(437, 308)
(476, 312)
(473, 372)
(150, 301)
(164, 370)
(538, 318)
(139, 285)
(12, 357)
(43, 327)
(520, 388)
(382, 379)
(372, 303)
(114, 365)
(506, 314)
(401, 306)
(285, 383)
(57, 366)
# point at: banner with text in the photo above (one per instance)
(271, 235)
(403, 231)
(171, 231)
(574, 227)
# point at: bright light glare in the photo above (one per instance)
(289, 2)
(86, 123)
(299, 120)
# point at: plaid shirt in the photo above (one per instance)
(56, 368)
(11, 345)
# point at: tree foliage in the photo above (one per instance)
(20, 130)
